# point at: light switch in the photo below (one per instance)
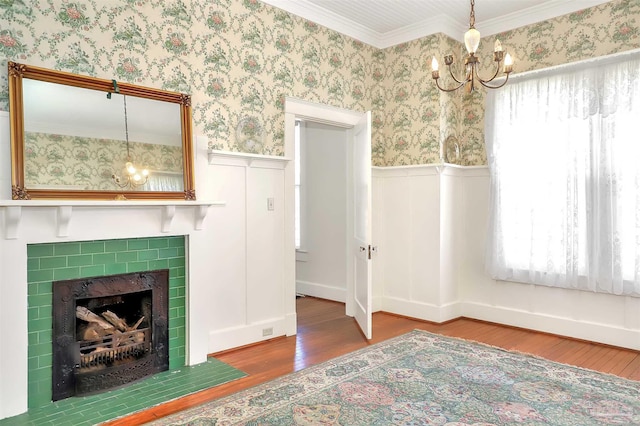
(270, 203)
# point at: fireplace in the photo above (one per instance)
(109, 331)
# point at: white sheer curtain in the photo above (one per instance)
(563, 149)
(164, 181)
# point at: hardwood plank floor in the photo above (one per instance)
(324, 332)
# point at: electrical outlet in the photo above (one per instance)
(267, 331)
(270, 204)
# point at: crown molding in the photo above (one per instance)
(542, 12)
(328, 19)
(439, 24)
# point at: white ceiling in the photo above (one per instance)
(384, 23)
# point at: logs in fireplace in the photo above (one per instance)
(109, 331)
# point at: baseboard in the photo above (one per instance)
(421, 310)
(321, 291)
(593, 332)
(234, 337)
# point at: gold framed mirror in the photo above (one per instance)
(74, 136)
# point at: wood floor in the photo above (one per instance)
(324, 332)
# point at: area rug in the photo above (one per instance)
(424, 379)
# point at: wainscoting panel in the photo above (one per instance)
(250, 252)
(432, 264)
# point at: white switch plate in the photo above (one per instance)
(270, 204)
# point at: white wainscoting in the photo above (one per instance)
(430, 223)
(254, 303)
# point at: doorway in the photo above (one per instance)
(350, 133)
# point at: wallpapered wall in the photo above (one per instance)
(54, 160)
(239, 58)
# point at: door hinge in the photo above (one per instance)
(371, 249)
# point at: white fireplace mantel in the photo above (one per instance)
(64, 210)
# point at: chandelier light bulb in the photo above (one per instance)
(497, 46)
(145, 172)
(130, 169)
(508, 63)
(472, 40)
(434, 64)
(136, 177)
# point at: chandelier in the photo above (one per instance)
(133, 178)
(472, 41)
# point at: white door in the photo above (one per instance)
(362, 224)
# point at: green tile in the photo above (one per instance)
(176, 272)
(91, 271)
(115, 246)
(168, 252)
(33, 313)
(53, 262)
(33, 264)
(33, 338)
(127, 256)
(138, 244)
(80, 260)
(158, 264)
(158, 243)
(45, 335)
(45, 311)
(66, 249)
(92, 247)
(104, 258)
(45, 287)
(173, 293)
(40, 349)
(66, 273)
(42, 275)
(40, 374)
(176, 241)
(137, 266)
(115, 268)
(45, 361)
(39, 250)
(39, 300)
(177, 262)
(40, 324)
(148, 255)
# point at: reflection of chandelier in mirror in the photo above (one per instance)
(472, 41)
(133, 178)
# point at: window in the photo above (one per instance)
(564, 157)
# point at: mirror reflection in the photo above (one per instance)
(76, 138)
(81, 137)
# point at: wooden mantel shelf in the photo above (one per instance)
(64, 211)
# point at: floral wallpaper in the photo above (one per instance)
(240, 58)
(60, 160)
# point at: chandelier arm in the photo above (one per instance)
(495, 74)
(494, 87)
(454, 77)
(452, 89)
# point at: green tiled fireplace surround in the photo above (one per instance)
(61, 261)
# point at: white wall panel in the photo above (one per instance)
(424, 237)
(265, 244)
(227, 249)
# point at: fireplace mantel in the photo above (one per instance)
(64, 211)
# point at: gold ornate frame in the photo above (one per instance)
(18, 72)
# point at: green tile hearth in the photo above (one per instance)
(154, 390)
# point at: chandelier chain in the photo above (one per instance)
(126, 127)
(472, 16)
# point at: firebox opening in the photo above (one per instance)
(120, 334)
(109, 331)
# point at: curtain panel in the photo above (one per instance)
(563, 151)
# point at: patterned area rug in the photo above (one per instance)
(425, 379)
